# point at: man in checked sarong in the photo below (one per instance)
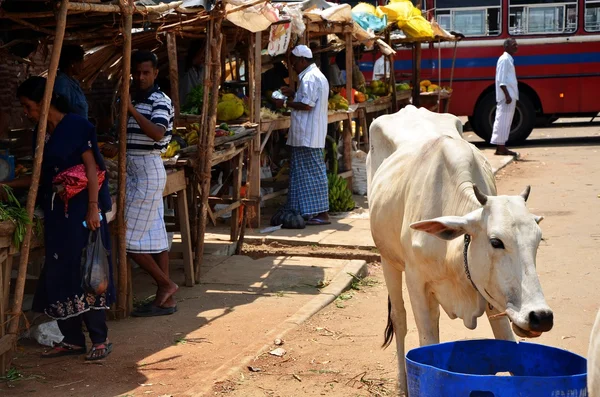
(149, 131)
(308, 189)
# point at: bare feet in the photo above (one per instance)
(163, 294)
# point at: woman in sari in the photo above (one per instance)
(70, 141)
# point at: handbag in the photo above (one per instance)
(94, 265)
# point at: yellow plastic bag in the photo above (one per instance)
(399, 11)
(408, 18)
(418, 28)
(365, 8)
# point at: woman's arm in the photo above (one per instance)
(92, 218)
(21, 182)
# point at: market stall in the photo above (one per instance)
(99, 28)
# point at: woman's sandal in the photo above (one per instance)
(62, 350)
(99, 352)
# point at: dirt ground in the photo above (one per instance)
(338, 353)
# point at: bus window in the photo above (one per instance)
(592, 15)
(469, 17)
(542, 16)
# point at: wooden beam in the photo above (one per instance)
(27, 24)
(208, 138)
(184, 224)
(349, 66)
(238, 164)
(61, 23)
(123, 297)
(7, 342)
(113, 8)
(254, 77)
(173, 72)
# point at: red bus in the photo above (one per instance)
(558, 63)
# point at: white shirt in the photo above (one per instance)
(506, 76)
(308, 128)
(379, 69)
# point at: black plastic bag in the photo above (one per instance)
(94, 265)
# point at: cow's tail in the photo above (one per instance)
(389, 329)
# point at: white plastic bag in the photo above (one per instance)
(359, 172)
(47, 334)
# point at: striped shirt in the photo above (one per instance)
(308, 128)
(158, 109)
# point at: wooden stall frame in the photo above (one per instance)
(210, 119)
(7, 342)
(123, 265)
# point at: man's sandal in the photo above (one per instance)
(62, 350)
(99, 352)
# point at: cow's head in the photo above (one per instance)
(501, 257)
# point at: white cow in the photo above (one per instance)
(427, 187)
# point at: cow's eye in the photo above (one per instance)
(497, 243)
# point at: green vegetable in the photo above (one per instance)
(11, 210)
(194, 101)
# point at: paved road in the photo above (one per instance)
(337, 352)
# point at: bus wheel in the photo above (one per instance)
(522, 124)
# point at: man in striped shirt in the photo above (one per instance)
(149, 130)
(308, 193)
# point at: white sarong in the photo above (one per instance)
(503, 121)
(144, 208)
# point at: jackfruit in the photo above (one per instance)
(230, 107)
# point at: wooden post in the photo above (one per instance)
(254, 80)
(238, 164)
(208, 138)
(347, 133)
(61, 24)
(184, 224)
(174, 73)
(123, 296)
(416, 74)
(349, 67)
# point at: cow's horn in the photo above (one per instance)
(482, 198)
(525, 193)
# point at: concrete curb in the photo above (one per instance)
(339, 284)
(506, 160)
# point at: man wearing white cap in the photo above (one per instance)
(308, 190)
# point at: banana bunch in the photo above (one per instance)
(172, 150)
(192, 135)
(340, 198)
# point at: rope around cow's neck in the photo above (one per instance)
(466, 260)
(467, 272)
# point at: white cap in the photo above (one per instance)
(302, 51)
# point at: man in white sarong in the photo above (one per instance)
(507, 95)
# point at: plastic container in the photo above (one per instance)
(470, 368)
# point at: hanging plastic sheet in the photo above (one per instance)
(366, 16)
(254, 19)
(279, 38)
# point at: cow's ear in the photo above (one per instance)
(445, 227)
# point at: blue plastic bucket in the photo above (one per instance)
(469, 368)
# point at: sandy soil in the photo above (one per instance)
(337, 352)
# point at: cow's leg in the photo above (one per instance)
(426, 310)
(393, 281)
(500, 325)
